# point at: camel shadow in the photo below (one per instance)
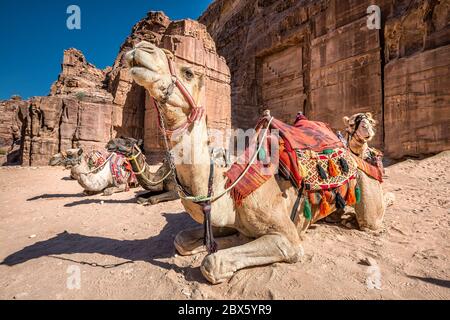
(147, 250)
(437, 282)
(56, 196)
(91, 201)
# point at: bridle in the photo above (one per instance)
(354, 133)
(196, 113)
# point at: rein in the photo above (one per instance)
(354, 133)
(196, 113)
(141, 171)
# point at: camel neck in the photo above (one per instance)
(192, 159)
(356, 146)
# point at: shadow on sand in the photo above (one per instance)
(147, 250)
(437, 282)
(57, 196)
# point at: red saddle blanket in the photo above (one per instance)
(304, 135)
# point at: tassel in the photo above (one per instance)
(324, 206)
(351, 198)
(262, 154)
(307, 209)
(208, 240)
(332, 168)
(340, 202)
(344, 165)
(358, 194)
(321, 171)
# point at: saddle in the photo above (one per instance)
(312, 157)
(122, 171)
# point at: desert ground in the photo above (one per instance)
(121, 250)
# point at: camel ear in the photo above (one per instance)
(371, 119)
(140, 142)
(80, 151)
(346, 121)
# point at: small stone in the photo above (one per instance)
(32, 236)
(186, 292)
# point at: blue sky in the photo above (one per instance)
(33, 36)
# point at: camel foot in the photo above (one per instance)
(212, 269)
(108, 192)
(89, 193)
(389, 199)
(268, 249)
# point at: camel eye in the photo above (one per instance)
(189, 75)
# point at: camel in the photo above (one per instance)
(359, 131)
(91, 161)
(264, 215)
(160, 182)
(93, 180)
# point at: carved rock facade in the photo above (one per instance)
(321, 58)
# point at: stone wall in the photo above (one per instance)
(320, 57)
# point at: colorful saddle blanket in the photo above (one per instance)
(312, 157)
(122, 171)
(96, 159)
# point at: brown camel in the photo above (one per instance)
(264, 215)
(160, 183)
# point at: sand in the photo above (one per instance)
(58, 244)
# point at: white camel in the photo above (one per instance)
(93, 179)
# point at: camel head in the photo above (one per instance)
(149, 67)
(361, 126)
(125, 146)
(67, 158)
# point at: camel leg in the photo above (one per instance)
(189, 242)
(267, 249)
(370, 211)
(163, 197)
(109, 191)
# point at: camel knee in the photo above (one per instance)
(290, 252)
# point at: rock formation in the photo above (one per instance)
(320, 57)
(87, 107)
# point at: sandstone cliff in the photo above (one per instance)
(87, 107)
(320, 57)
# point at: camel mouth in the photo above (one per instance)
(138, 60)
(55, 161)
